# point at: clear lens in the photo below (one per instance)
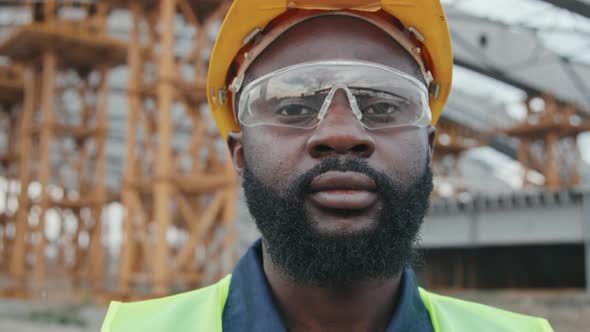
(299, 96)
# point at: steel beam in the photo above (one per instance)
(524, 218)
(576, 6)
(498, 75)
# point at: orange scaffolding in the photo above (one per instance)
(11, 92)
(179, 180)
(548, 141)
(61, 150)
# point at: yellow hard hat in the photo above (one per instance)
(424, 28)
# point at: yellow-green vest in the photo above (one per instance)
(202, 310)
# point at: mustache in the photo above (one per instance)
(384, 183)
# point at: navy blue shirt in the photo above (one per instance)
(250, 305)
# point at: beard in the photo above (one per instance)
(316, 258)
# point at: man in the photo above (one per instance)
(328, 108)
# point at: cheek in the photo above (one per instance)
(273, 156)
(405, 154)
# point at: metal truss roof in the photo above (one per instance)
(529, 44)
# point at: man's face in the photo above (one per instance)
(339, 203)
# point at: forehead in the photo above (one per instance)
(333, 37)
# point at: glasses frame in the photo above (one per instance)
(427, 113)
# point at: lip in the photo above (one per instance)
(343, 191)
(342, 181)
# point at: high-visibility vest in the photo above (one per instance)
(202, 310)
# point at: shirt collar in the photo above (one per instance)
(250, 305)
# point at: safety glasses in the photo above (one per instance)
(301, 95)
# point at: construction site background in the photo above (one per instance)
(114, 184)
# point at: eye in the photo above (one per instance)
(295, 110)
(381, 108)
(295, 115)
(386, 112)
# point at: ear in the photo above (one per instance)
(431, 131)
(236, 149)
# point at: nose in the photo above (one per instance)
(340, 133)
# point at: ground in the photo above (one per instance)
(568, 311)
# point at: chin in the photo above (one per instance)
(343, 224)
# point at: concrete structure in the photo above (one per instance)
(518, 219)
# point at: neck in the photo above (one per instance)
(366, 306)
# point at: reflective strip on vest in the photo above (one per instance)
(202, 310)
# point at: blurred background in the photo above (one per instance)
(115, 185)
